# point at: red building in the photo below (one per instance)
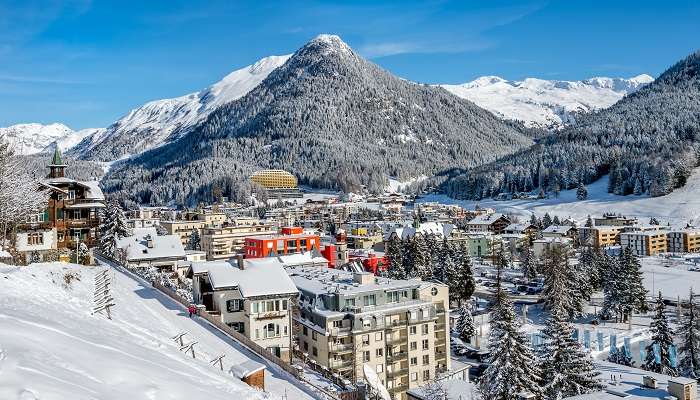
(372, 262)
(292, 240)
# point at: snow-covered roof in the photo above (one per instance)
(245, 369)
(305, 258)
(318, 280)
(136, 246)
(86, 205)
(485, 219)
(517, 228)
(260, 276)
(92, 192)
(425, 228)
(559, 229)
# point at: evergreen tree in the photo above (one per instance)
(34, 257)
(465, 324)
(621, 356)
(394, 255)
(444, 262)
(194, 243)
(556, 221)
(653, 221)
(581, 191)
(421, 258)
(589, 222)
(461, 279)
(529, 264)
(622, 286)
(662, 338)
(567, 369)
(588, 262)
(112, 227)
(83, 254)
(546, 221)
(689, 350)
(511, 369)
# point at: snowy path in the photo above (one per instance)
(161, 310)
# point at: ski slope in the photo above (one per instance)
(678, 208)
(51, 347)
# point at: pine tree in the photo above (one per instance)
(421, 267)
(394, 256)
(621, 356)
(112, 227)
(465, 324)
(461, 280)
(567, 369)
(546, 221)
(194, 243)
(589, 222)
(622, 285)
(444, 262)
(581, 192)
(511, 369)
(83, 254)
(34, 257)
(529, 264)
(661, 337)
(556, 221)
(689, 350)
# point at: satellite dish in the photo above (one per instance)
(375, 383)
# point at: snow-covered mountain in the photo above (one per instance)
(33, 138)
(546, 103)
(162, 121)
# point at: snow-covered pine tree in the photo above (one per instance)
(461, 279)
(421, 258)
(581, 191)
(653, 221)
(528, 264)
(661, 337)
(194, 243)
(444, 262)
(34, 257)
(620, 356)
(160, 230)
(112, 227)
(546, 220)
(394, 255)
(83, 254)
(557, 289)
(556, 221)
(465, 324)
(512, 366)
(567, 369)
(689, 333)
(635, 297)
(589, 222)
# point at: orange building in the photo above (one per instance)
(292, 240)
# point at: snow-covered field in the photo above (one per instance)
(678, 208)
(51, 347)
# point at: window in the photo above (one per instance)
(314, 351)
(349, 302)
(285, 331)
(378, 336)
(414, 376)
(365, 340)
(414, 345)
(424, 329)
(426, 359)
(255, 307)
(77, 214)
(365, 356)
(413, 330)
(234, 305)
(426, 375)
(60, 236)
(392, 297)
(414, 360)
(238, 326)
(338, 323)
(314, 335)
(257, 333)
(379, 353)
(425, 344)
(71, 194)
(284, 305)
(380, 368)
(306, 346)
(35, 238)
(270, 330)
(305, 330)
(59, 197)
(370, 300)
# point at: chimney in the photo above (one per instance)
(149, 241)
(363, 278)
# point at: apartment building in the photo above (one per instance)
(600, 236)
(399, 328)
(253, 297)
(292, 240)
(225, 242)
(495, 223)
(183, 229)
(684, 241)
(615, 220)
(645, 243)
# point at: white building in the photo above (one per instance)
(146, 249)
(252, 296)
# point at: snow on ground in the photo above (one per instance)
(51, 347)
(396, 186)
(671, 277)
(678, 208)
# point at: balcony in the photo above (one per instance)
(399, 356)
(402, 387)
(396, 324)
(392, 340)
(397, 371)
(342, 331)
(340, 364)
(341, 347)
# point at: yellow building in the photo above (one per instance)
(275, 179)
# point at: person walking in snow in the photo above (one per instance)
(191, 309)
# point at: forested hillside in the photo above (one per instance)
(331, 118)
(646, 143)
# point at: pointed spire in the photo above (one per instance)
(56, 159)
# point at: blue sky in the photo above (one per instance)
(87, 63)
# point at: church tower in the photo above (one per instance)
(56, 168)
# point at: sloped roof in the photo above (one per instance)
(136, 246)
(260, 276)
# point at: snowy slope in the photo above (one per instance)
(165, 120)
(33, 138)
(679, 207)
(546, 103)
(52, 348)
